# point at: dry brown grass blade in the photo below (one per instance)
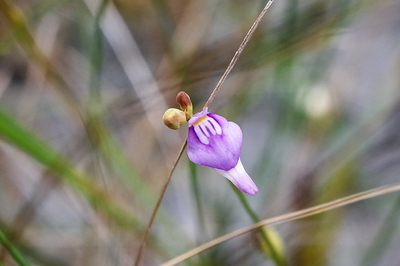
(288, 217)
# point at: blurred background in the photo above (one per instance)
(84, 152)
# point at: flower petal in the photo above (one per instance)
(213, 141)
(240, 179)
(195, 118)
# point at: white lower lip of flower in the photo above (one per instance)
(238, 176)
(207, 128)
(202, 137)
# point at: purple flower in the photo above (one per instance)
(215, 142)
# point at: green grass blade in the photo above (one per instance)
(40, 151)
(271, 239)
(12, 250)
(384, 237)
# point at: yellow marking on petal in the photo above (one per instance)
(200, 120)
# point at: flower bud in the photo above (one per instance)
(185, 104)
(174, 118)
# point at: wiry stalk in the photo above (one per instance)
(210, 99)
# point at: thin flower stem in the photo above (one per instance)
(207, 104)
(238, 53)
(288, 217)
(254, 217)
(153, 215)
